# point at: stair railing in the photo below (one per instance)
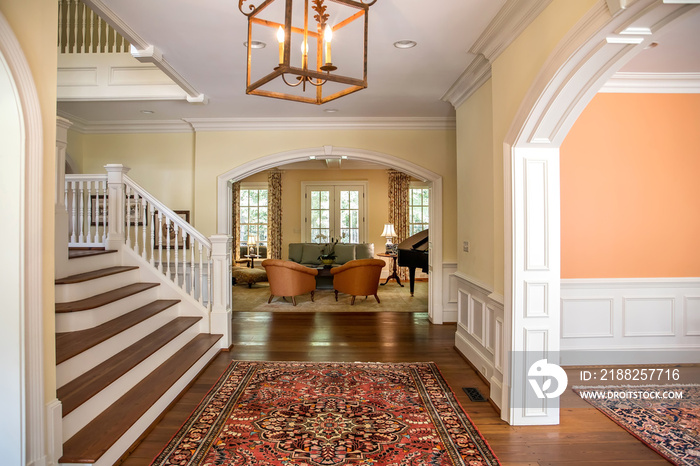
(86, 202)
(168, 242)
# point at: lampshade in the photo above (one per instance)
(389, 231)
(251, 239)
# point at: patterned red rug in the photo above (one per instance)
(328, 414)
(671, 427)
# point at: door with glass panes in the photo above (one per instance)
(334, 212)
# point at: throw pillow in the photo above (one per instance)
(310, 254)
(344, 253)
(364, 251)
(295, 250)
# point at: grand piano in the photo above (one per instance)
(413, 253)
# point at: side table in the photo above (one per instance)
(394, 269)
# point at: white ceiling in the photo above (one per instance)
(203, 41)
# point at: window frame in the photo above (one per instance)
(418, 185)
(259, 185)
(334, 186)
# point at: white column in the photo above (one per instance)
(115, 205)
(61, 214)
(221, 316)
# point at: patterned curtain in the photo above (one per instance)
(398, 207)
(236, 220)
(274, 214)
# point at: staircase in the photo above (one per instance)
(126, 347)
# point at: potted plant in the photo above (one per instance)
(328, 255)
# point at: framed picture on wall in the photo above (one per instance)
(99, 208)
(168, 231)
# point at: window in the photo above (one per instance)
(418, 209)
(254, 216)
(334, 212)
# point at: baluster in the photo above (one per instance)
(143, 227)
(73, 213)
(160, 242)
(167, 244)
(98, 42)
(184, 259)
(152, 219)
(81, 212)
(137, 211)
(210, 287)
(201, 276)
(177, 255)
(60, 25)
(88, 219)
(105, 227)
(74, 28)
(81, 26)
(192, 282)
(127, 191)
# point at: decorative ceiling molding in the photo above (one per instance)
(296, 124)
(509, 23)
(256, 124)
(653, 83)
(143, 51)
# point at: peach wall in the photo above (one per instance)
(630, 188)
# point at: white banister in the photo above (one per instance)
(85, 200)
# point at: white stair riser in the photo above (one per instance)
(83, 362)
(81, 320)
(86, 412)
(76, 291)
(115, 452)
(90, 263)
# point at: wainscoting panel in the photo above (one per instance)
(449, 292)
(630, 321)
(479, 336)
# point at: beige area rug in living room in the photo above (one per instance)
(393, 299)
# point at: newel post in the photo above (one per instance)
(221, 316)
(62, 218)
(115, 205)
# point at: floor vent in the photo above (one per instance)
(474, 394)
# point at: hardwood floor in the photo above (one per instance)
(585, 437)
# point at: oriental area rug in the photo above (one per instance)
(328, 414)
(671, 427)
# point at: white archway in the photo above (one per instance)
(435, 305)
(584, 60)
(21, 335)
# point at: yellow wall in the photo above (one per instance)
(474, 191)
(162, 163)
(377, 200)
(512, 74)
(35, 24)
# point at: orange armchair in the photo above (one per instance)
(288, 278)
(358, 278)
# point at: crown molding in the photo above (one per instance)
(653, 83)
(506, 26)
(296, 124)
(189, 125)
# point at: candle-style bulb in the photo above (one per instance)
(280, 39)
(328, 37)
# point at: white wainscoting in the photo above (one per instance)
(449, 292)
(630, 321)
(479, 334)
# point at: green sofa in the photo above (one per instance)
(307, 253)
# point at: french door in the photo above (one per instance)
(334, 212)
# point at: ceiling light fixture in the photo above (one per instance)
(147, 112)
(331, 110)
(405, 44)
(317, 68)
(255, 44)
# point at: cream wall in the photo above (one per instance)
(163, 163)
(377, 200)
(219, 152)
(35, 24)
(512, 74)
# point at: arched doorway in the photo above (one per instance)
(435, 305)
(575, 71)
(21, 338)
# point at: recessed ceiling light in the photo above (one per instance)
(147, 112)
(405, 44)
(331, 110)
(255, 44)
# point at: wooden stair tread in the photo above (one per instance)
(104, 298)
(83, 277)
(77, 253)
(84, 387)
(90, 443)
(69, 344)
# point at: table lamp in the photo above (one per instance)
(251, 242)
(389, 233)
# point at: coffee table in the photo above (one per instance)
(324, 279)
